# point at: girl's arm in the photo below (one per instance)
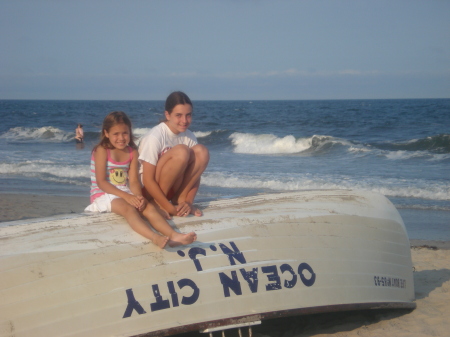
(133, 179)
(133, 175)
(100, 157)
(152, 187)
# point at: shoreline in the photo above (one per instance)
(14, 206)
(29, 206)
(429, 244)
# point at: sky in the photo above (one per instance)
(224, 50)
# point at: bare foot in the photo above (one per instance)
(160, 241)
(196, 211)
(179, 239)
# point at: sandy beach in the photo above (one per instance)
(28, 206)
(431, 260)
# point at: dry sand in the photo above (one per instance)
(431, 261)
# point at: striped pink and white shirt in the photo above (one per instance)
(116, 173)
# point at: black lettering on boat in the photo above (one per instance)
(195, 293)
(230, 283)
(132, 305)
(193, 252)
(251, 277)
(234, 254)
(306, 281)
(287, 268)
(160, 304)
(385, 281)
(272, 276)
(173, 293)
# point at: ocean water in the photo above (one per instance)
(400, 148)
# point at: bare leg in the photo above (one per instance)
(121, 207)
(171, 167)
(160, 224)
(191, 182)
(191, 195)
(179, 172)
(198, 161)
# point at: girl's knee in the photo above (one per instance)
(121, 207)
(180, 152)
(149, 208)
(201, 153)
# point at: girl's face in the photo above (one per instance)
(180, 118)
(119, 136)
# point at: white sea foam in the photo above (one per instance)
(388, 187)
(45, 133)
(139, 132)
(397, 155)
(405, 155)
(46, 170)
(268, 144)
(202, 134)
(271, 144)
(359, 149)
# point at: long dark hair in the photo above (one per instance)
(175, 98)
(114, 118)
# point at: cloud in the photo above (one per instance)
(290, 83)
(292, 72)
(189, 74)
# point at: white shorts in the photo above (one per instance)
(103, 203)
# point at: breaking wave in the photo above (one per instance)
(435, 144)
(430, 148)
(45, 133)
(140, 132)
(389, 187)
(270, 144)
(48, 170)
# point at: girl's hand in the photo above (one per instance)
(133, 200)
(143, 203)
(183, 209)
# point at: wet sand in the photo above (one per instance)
(28, 206)
(431, 260)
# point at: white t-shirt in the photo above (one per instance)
(159, 140)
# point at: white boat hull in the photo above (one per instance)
(256, 258)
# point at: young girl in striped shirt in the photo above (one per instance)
(115, 185)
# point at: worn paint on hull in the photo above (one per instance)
(256, 258)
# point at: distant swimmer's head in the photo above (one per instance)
(178, 112)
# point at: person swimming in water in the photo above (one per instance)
(79, 134)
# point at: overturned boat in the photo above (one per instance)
(256, 258)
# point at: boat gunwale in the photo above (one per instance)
(278, 314)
